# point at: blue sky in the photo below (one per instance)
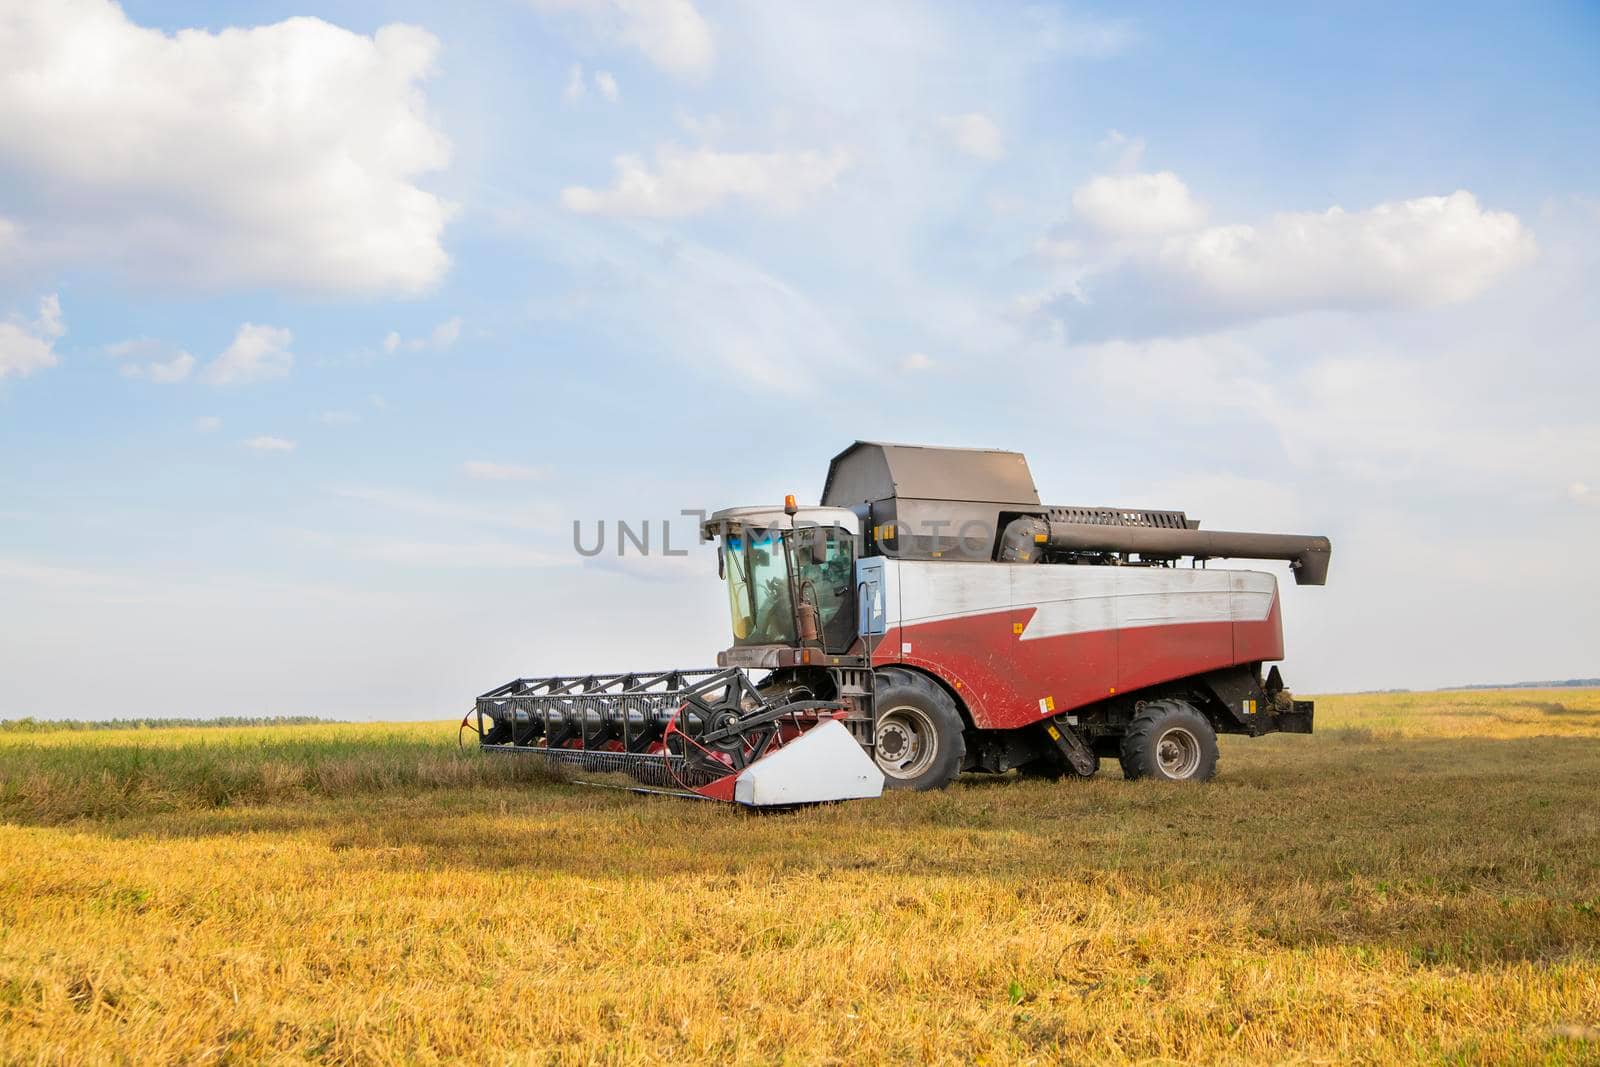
(318, 328)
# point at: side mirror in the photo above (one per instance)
(819, 549)
(722, 570)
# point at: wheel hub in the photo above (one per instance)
(893, 742)
(1178, 753)
(906, 742)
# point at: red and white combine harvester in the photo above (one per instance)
(930, 618)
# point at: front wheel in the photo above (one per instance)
(1169, 740)
(918, 741)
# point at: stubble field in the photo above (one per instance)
(1420, 880)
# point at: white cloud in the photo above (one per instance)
(138, 346)
(1124, 152)
(170, 372)
(1193, 378)
(29, 346)
(285, 154)
(975, 134)
(1420, 253)
(441, 337)
(703, 128)
(576, 88)
(1376, 417)
(483, 470)
(264, 443)
(687, 182)
(152, 361)
(1424, 252)
(207, 424)
(916, 361)
(672, 34)
(720, 315)
(445, 334)
(1138, 204)
(257, 354)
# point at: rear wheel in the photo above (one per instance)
(918, 741)
(1169, 740)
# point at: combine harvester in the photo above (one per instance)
(932, 617)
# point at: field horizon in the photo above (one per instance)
(1416, 881)
(44, 724)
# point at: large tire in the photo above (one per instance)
(1171, 741)
(919, 742)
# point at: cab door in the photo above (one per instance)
(878, 606)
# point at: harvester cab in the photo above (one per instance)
(791, 580)
(931, 617)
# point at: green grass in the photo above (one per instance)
(61, 777)
(30, 725)
(1418, 881)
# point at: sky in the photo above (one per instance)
(319, 329)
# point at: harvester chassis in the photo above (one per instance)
(683, 730)
(1234, 700)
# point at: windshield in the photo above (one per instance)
(758, 589)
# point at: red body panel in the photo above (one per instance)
(1257, 642)
(1008, 680)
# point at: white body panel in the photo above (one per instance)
(1075, 599)
(824, 763)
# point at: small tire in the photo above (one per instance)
(1170, 741)
(918, 740)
